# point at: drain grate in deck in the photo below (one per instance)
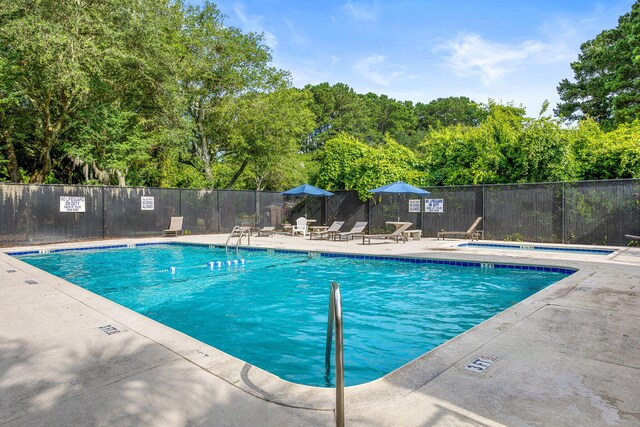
(109, 329)
(30, 282)
(481, 363)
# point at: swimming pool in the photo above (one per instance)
(529, 247)
(271, 311)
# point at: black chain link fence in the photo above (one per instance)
(589, 212)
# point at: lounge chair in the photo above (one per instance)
(471, 233)
(175, 227)
(357, 230)
(300, 227)
(632, 237)
(396, 235)
(335, 227)
(266, 231)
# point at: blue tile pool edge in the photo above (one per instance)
(412, 260)
(538, 248)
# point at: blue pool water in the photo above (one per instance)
(272, 311)
(529, 247)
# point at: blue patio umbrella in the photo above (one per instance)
(307, 190)
(400, 187)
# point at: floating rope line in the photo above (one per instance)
(212, 265)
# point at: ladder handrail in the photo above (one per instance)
(230, 234)
(242, 231)
(335, 316)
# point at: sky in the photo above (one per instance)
(420, 50)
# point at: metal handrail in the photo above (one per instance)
(226, 245)
(241, 231)
(335, 315)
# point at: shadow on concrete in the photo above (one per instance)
(126, 384)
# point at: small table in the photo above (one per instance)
(416, 234)
(318, 228)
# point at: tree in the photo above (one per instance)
(219, 63)
(606, 155)
(451, 111)
(353, 165)
(606, 82)
(65, 57)
(388, 116)
(338, 109)
(266, 132)
(506, 147)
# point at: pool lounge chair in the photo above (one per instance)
(632, 237)
(266, 231)
(300, 227)
(357, 230)
(335, 227)
(471, 233)
(175, 227)
(396, 235)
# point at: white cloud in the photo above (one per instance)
(253, 23)
(470, 55)
(361, 11)
(375, 68)
(295, 36)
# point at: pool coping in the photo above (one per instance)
(264, 385)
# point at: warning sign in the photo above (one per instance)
(71, 204)
(147, 203)
(434, 205)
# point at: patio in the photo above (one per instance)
(565, 356)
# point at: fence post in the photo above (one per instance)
(484, 218)
(103, 217)
(218, 208)
(563, 212)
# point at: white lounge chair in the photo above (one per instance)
(471, 233)
(396, 235)
(175, 227)
(357, 230)
(300, 227)
(335, 227)
(266, 231)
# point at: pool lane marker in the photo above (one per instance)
(212, 265)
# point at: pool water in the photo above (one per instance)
(272, 310)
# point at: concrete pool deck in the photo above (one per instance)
(567, 355)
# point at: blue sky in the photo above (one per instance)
(414, 50)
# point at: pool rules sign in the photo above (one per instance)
(147, 203)
(71, 204)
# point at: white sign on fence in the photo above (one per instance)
(71, 204)
(147, 203)
(434, 205)
(414, 205)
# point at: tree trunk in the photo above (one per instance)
(44, 160)
(12, 162)
(235, 176)
(202, 147)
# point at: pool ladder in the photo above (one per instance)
(335, 317)
(240, 232)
